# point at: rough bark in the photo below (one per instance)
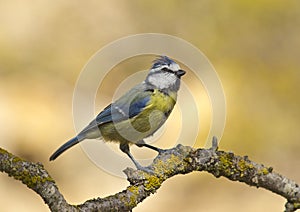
(178, 160)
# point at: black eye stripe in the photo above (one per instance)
(150, 89)
(167, 70)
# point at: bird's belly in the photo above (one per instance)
(133, 130)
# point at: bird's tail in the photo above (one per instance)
(64, 147)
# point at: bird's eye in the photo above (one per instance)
(167, 70)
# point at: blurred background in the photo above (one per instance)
(254, 46)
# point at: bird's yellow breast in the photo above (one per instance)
(145, 123)
(162, 102)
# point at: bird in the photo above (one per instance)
(137, 114)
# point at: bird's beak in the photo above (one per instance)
(180, 73)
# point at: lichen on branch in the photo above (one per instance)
(178, 160)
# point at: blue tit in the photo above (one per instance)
(138, 113)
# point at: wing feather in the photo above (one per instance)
(127, 106)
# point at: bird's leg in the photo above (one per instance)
(142, 143)
(125, 148)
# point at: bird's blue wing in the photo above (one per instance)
(126, 107)
(138, 106)
(105, 115)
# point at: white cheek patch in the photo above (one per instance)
(162, 80)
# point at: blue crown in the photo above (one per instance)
(160, 61)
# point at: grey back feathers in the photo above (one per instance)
(164, 74)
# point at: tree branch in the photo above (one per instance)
(178, 160)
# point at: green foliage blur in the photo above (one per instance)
(253, 45)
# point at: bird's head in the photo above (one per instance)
(165, 74)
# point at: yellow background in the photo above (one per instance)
(254, 46)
